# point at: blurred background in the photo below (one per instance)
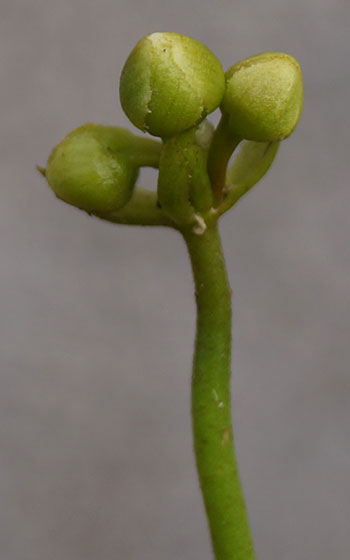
(97, 321)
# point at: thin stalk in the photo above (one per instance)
(211, 416)
(221, 149)
(142, 210)
(146, 152)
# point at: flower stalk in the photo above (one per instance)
(211, 402)
(168, 85)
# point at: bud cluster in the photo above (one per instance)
(168, 85)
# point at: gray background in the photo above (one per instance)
(97, 322)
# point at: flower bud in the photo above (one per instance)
(169, 83)
(264, 97)
(251, 163)
(91, 169)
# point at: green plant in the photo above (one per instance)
(168, 86)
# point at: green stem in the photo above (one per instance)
(221, 149)
(142, 210)
(211, 417)
(147, 152)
